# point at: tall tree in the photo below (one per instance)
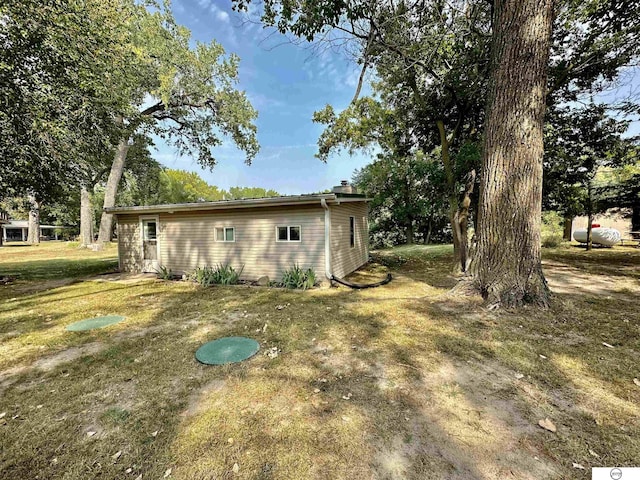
(56, 59)
(184, 94)
(394, 124)
(507, 266)
(140, 169)
(86, 218)
(33, 232)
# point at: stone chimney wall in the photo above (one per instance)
(344, 187)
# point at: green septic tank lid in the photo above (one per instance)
(227, 350)
(92, 323)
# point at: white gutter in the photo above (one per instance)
(327, 239)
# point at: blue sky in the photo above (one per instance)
(286, 83)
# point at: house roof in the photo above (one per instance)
(25, 224)
(289, 200)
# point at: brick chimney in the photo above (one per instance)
(344, 187)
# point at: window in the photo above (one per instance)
(225, 234)
(149, 230)
(352, 231)
(288, 234)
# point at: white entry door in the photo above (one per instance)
(150, 244)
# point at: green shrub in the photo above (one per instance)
(551, 229)
(552, 241)
(296, 277)
(164, 273)
(221, 274)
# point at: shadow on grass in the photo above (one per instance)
(429, 264)
(370, 416)
(616, 261)
(567, 372)
(412, 388)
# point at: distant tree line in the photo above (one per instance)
(154, 185)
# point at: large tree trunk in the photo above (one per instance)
(86, 218)
(111, 190)
(453, 195)
(33, 235)
(462, 220)
(568, 226)
(409, 232)
(507, 265)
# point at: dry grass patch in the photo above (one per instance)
(397, 382)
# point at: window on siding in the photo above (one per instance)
(352, 231)
(225, 234)
(288, 233)
(149, 230)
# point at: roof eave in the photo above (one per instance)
(232, 204)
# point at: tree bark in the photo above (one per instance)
(462, 220)
(453, 194)
(507, 266)
(568, 226)
(589, 217)
(111, 190)
(33, 235)
(409, 232)
(86, 218)
(427, 237)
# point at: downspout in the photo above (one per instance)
(327, 239)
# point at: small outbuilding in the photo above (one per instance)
(327, 232)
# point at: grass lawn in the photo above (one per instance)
(54, 260)
(402, 381)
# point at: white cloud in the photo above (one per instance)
(224, 21)
(222, 16)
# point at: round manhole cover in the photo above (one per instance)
(227, 350)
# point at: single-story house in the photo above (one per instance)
(17, 231)
(264, 236)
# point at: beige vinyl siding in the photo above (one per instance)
(187, 240)
(129, 247)
(344, 258)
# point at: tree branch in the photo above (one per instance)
(365, 64)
